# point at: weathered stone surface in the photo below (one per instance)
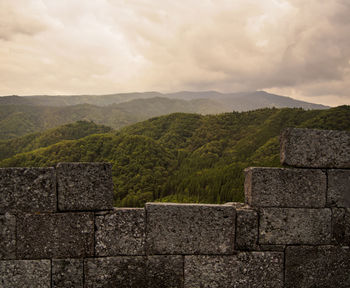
(84, 186)
(27, 190)
(25, 273)
(341, 226)
(165, 271)
(121, 232)
(190, 228)
(161, 271)
(67, 273)
(62, 235)
(323, 266)
(338, 188)
(281, 187)
(315, 148)
(247, 229)
(295, 226)
(127, 271)
(271, 248)
(7, 236)
(246, 269)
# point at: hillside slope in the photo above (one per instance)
(37, 140)
(186, 157)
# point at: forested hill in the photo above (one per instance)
(186, 157)
(72, 131)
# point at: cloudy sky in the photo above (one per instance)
(298, 48)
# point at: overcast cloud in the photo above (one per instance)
(296, 48)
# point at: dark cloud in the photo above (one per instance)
(293, 47)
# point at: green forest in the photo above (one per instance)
(179, 157)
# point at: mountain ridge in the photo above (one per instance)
(116, 98)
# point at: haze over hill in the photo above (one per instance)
(28, 114)
(241, 101)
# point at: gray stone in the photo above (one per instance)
(122, 271)
(246, 229)
(25, 274)
(121, 232)
(246, 269)
(295, 226)
(338, 188)
(62, 235)
(271, 248)
(161, 271)
(315, 148)
(84, 186)
(67, 273)
(27, 190)
(323, 266)
(164, 271)
(281, 187)
(190, 228)
(341, 226)
(7, 236)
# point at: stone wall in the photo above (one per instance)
(58, 227)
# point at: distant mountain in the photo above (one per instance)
(245, 101)
(223, 102)
(182, 157)
(24, 115)
(99, 100)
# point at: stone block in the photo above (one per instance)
(27, 190)
(84, 186)
(121, 232)
(62, 235)
(338, 188)
(315, 148)
(121, 272)
(295, 226)
(161, 271)
(164, 271)
(67, 273)
(7, 236)
(246, 229)
(281, 187)
(322, 266)
(25, 273)
(341, 226)
(246, 269)
(190, 228)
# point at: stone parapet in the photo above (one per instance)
(120, 232)
(84, 186)
(190, 228)
(245, 269)
(312, 148)
(282, 187)
(338, 188)
(61, 235)
(317, 266)
(30, 190)
(295, 226)
(58, 227)
(25, 273)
